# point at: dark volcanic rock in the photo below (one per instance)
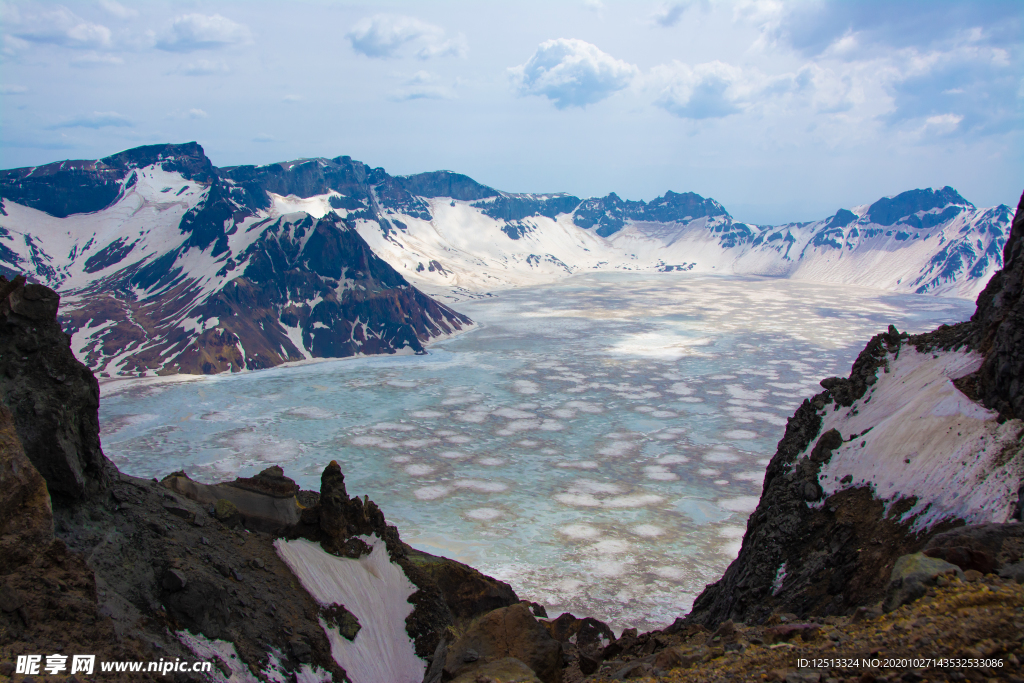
(516, 207)
(52, 396)
(889, 210)
(449, 592)
(445, 184)
(1000, 329)
(507, 632)
(609, 214)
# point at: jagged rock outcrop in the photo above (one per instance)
(817, 545)
(53, 398)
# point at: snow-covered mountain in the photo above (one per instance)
(922, 241)
(168, 264)
(164, 267)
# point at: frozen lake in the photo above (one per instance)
(598, 443)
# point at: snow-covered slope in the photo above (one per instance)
(930, 242)
(188, 272)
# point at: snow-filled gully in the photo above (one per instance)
(376, 591)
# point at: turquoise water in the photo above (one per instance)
(596, 443)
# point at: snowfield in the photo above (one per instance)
(914, 434)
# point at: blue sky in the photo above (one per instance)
(780, 110)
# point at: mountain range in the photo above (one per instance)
(167, 264)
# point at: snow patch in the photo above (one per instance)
(376, 591)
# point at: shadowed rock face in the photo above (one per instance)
(52, 397)
(1000, 329)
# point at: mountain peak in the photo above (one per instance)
(889, 210)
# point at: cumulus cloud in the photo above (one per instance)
(704, 91)
(191, 32)
(59, 27)
(97, 119)
(387, 35)
(423, 86)
(118, 10)
(572, 73)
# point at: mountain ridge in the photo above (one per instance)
(161, 223)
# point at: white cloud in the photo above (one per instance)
(572, 72)
(58, 27)
(942, 124)
(98, 119)
(264, 137)
(12, 89)
(203, 67)
(672, 14)
(191, 32)
(118, 10)
(291, 99)
(96, 59)
(197, 114)
(705, 91)
(387, 35)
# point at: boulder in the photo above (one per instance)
(981, 547)
(505, 670)
(506, 632)
(262, 503)
(587, 634)
(912, 575)
(1013, 571)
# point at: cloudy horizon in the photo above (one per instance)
(781, 111)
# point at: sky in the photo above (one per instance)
(781, 111)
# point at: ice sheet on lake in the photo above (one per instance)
(612, 426)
